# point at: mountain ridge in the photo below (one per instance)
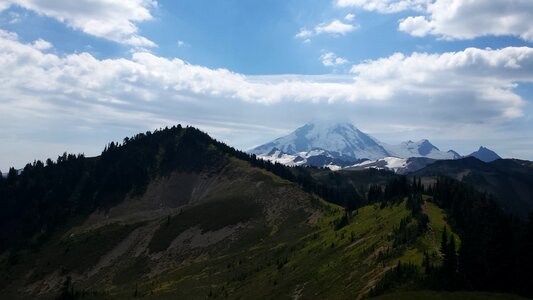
(344, 142)
(176, 214)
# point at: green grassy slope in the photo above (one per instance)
(252, 236)
(312, 261)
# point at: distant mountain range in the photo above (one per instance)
(337, 145)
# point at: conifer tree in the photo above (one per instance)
(444, 243)
(451, 256)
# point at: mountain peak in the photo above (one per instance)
(425, 147)
(323, 125)
(338, 137)
(421, 148)
(485, 154)
(340, 140)
(454, 154)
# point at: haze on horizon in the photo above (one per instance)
(75, 77)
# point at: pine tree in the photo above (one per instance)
(451, 257)
(444, 243)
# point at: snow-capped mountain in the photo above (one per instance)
(485, 154)
(338, 139)
(422, 148)
(340, 145)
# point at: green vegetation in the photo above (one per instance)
(378, 233)
(314, 261)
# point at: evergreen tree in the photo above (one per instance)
(444, 243)
(451, 258)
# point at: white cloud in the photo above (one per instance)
(385, 6)
(416, 26)
(349, 17)
(45, 96)
(181, 43)
(487, 76)
(335, 27)
(330, 59)
(7, 35)
(41, 44)
(304, 33)
(457, 19)
(109, 19)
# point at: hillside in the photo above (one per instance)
(509, 180)
(195, 230)
(196, 253)
(176, 214)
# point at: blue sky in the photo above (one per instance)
(79, 75)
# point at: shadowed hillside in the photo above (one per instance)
(509, 180)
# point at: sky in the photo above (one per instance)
(76, 75)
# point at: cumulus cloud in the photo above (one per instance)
(483, 78)
(458, 19)
(109, 19)
(335, 28)
(41, 44)
(330, 59)
(416, 26)
(45, 95)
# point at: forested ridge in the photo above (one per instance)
(495, 248)
(493, 255)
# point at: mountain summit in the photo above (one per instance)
(341, 144)
(485, 154)
(339, 139)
